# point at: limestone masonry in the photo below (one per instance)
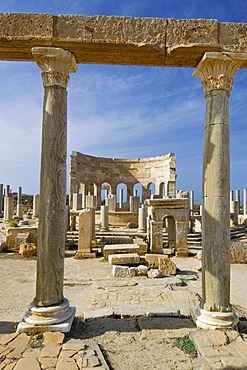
(120, 40)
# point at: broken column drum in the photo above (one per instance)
(49, 306)
(216, 71)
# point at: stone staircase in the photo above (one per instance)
(194, 239)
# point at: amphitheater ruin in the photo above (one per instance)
(58, 44)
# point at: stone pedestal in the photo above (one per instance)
(91, 201)
(234, 207)
(49, 309)
(104, 218)
(86, 224)
(134, 203)
(111, 202)
(156, 237)
(216, 71)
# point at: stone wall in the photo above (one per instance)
(88, 170)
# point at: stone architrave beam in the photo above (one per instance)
(120, 40)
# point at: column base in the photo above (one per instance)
(104, 229)
(84, 255)
(216, 320)
(141, 230)
(51, 318)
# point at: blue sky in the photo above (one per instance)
(120, 111)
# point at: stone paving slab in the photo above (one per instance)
(49, 351)
(220, 349)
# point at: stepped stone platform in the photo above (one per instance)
(120, 248)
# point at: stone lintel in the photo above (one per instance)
(120, 40)
(83, 255)
(169, 202)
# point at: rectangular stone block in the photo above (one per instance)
(124, 259)
(153, 259)
(120, 248)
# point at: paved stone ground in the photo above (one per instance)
(132, 322)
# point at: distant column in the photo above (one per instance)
(77, 201)
(192, 196)
(36, 206)
(104, 218)
(1, 199)
(237, 192)
(19, 212)
(216, 71)
(231, 195)
(50, 311)
(245, 202)
(142, 220)
(8, 207)
(120, 198)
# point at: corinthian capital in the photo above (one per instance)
(56, 64)
(216, 71)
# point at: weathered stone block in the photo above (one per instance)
(120, 271)
(153, 259)
(238, 252)
(22, 238)
(142, 270)
(233, 36)
(119, 248)
(26, 26)
(124, 259)
(167, 267)
(28, 250)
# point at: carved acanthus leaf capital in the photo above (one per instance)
(56, 64)
(216, 71)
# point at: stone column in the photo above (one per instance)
(8, 207)
(77, 201)
(245, 202)
(111, 202)
(192, 196)
(19, 212)
(120, 198)
(142, 220)
(231, 195)
(234, 211)
(134, 203)
(104, 218)
(36, 206)
(1, 199)
(216, 71)
(237, 192)
(50, 311)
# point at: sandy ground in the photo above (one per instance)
(130, 343)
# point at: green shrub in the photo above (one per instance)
(13, 224)
(186, 345)
(70, 245)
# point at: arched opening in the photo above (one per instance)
(151, 188)
(105, 191)
(162, 190)
(137, 191)
(121, 196)
(169, 232)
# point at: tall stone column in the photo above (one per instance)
(19, 212)
(36, 206)
(216, 71)
(1, 199)
(49, 309)
(245, 202)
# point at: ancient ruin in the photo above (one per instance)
(57, 44)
